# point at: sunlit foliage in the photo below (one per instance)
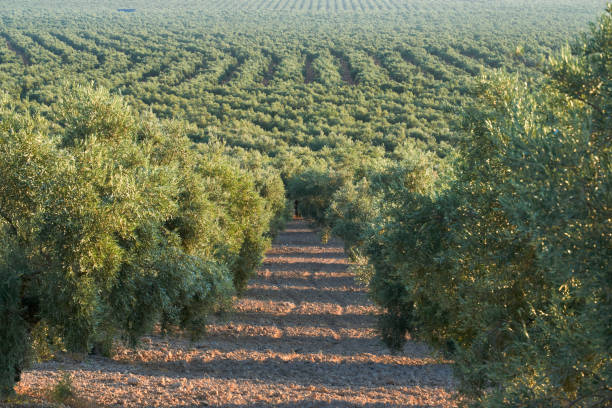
(112, 222)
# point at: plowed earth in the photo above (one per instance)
(302, 336)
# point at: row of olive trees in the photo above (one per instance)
(504, 259)
(112, 222)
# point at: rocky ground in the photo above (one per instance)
(302, 336)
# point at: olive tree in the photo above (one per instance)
(111, 222)
(507, 267)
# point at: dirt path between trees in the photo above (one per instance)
(302, 336)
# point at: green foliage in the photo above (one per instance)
(314, 190)
(408, 192)
(13, 328)
(244, 220)
(270, 186)
(350, 213)
(288, 81)
(507, 268)
(113, 222)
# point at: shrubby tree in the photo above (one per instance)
(112, 222)
(242, 216)
(356, 206)
(352, 210)
(507, 267)
(269, 184)
(314, 189)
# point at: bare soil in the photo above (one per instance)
(303, 336)
(345, 71)
(18, 51)
(308, 70)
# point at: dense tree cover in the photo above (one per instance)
(280, 82)
(488, 242)
(112, 222)
(503, 259)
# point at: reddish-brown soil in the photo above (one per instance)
(308, 70)
(302, 336)
(17, 50)
(345, 72)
